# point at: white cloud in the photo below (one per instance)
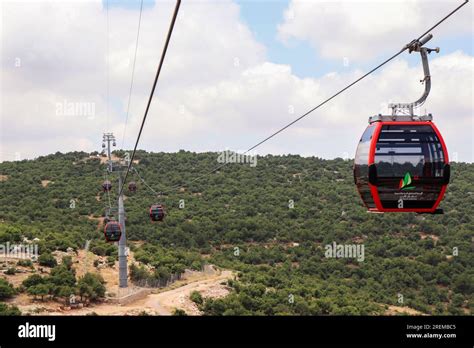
(218, 90)
(358, 30)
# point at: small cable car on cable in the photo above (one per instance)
(132, 186)
(157, 212)
(401, 162)
(106, 186)
(112, 231)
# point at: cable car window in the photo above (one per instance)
(410, 162)
(407, 149)
(361, 167)
(362, 154)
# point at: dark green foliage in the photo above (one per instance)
(47, 260)
(10, 271)
(196, 297)
(281, 263)
(464, 284)
(25, 263)
(32, 280)
(179, 312)
(67, 262)
(10, 234)
(91, 286)
(111, 261)
(61, 283)
(40, 290)
(6, 289)
(159, 277)
(62, 276)
(6, 310)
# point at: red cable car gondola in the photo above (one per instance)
(132, 186)
(112, 231)
(106, 186)
(401, 163)
(157, 212)
(401, 167)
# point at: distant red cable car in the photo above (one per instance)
(157, 212)
(106, 186)
(401, 163)
(132, 186)
(112, 231)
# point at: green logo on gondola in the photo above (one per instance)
(405, 183)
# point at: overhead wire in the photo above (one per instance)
(107, 64)
(106, 178)
(146, 184)
(160, 65)
(300, 117)
(133, 73)
(328, 99)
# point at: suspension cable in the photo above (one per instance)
(108, 63)
(133, 73)
(146, 184)
(442, 20)
(106, 177)
(330, 98)
(165, 48)
(314, 108)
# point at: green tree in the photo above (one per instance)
(91, 286)
(47, 260)
(67, 262)
(25, 263)
(6, 310)
(196, 297)
(10, 271)
(6, 289)
(464, 284)
(65, 292)
(32, 280)
(40, 290)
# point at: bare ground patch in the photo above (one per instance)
(397, 310)
(45, 183)
(210, 283)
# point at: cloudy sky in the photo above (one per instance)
(235, 72)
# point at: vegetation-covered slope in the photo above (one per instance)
(241, 217)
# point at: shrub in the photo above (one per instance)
(39, 290)
(25, 263)
(47, 260)
(6, 310)
(10, 271)
(91, 286)
(32, 280)
(67, 261)
(196, 297)
(6, 289)
(179, 312)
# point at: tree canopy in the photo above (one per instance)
(270, 223)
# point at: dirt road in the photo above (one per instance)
(162, 303)
(152, 301)
(166, 301)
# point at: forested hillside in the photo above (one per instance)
(242, 218)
